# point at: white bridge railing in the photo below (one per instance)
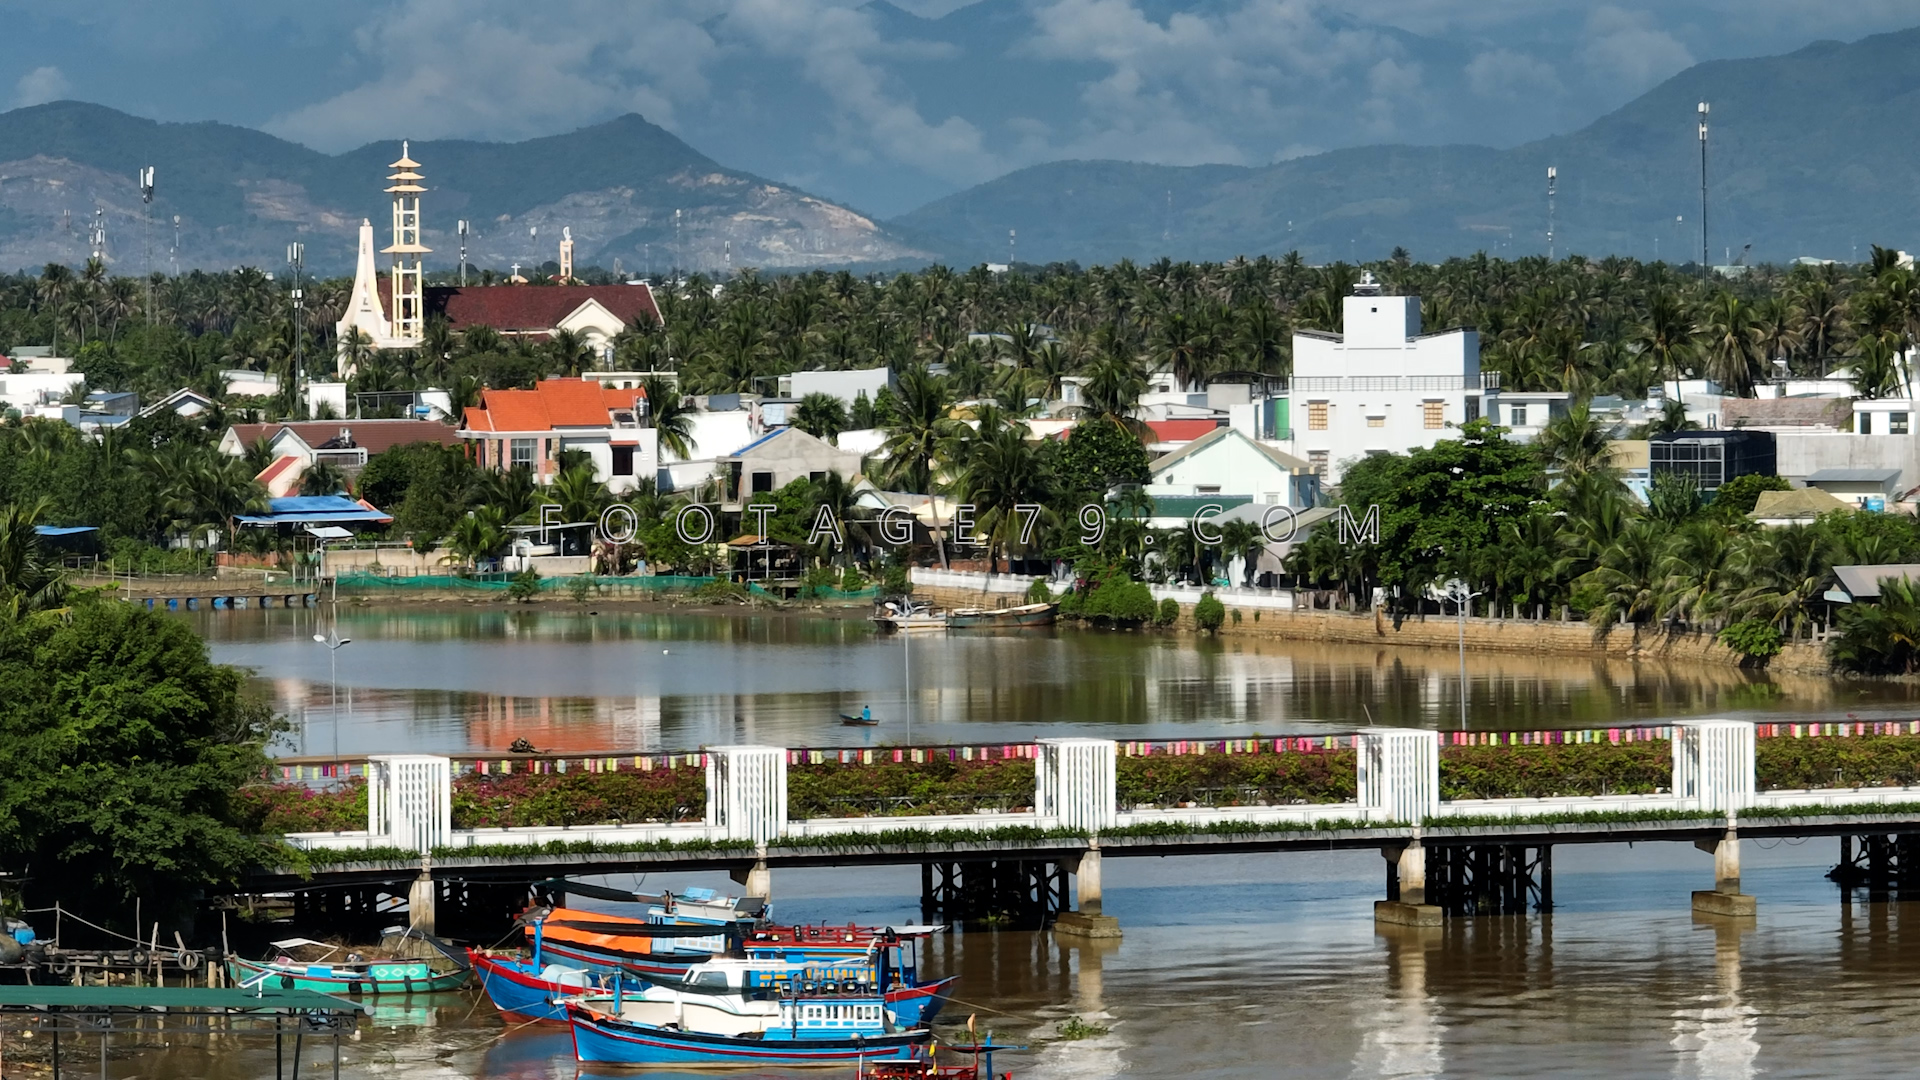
(1397, 778)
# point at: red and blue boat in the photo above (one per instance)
(824, 1030)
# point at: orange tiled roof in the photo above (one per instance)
(1174, 431)
(550, 404)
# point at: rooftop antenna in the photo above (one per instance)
(97, 236)
(463, 252)
(1705, 257)
(1553, 175)
(146, 201)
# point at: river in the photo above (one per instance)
(1231, 966)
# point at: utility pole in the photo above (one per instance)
(1704, 257)
(296, 259)
(1553, 175)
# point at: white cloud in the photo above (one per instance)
(1624, 49)
(39, 86)
(1503, 73)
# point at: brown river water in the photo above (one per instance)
(1231, 966)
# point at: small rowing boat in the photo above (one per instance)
(348, 977)
(848, 720)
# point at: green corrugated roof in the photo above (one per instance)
(1185, 506)
(155, 997)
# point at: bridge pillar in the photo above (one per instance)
(420, 902)
(1406, 902)
(757, 878)
(1725, 897)
(1086, 919)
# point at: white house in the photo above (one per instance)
(848, 386)
(777, 459)
(1382, 386)
(1224, 461)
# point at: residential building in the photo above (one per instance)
(1868, 488)
(1712, 457)
(531, 427)
(777, 459)
(1224, 461)
(1166, 436)
(1861, 584)
(1525, 413)
(1381, 386)
(344, 444)
(848, 386)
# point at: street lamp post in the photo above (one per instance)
(1461, 596)
(334, 643)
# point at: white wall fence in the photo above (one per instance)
(1397, 776)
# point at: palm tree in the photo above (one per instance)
(1575, 442)
(511, 492)
(1667, 333)
(920, 422)
(1003, 472)
(821, 415)
(569, 353)
(1732, 341)
(478, 536)
(29, 581)
(321, 478)
(1629, 575)
(1881, 638)
(671, 415)
(53, 291)
(1243, 540)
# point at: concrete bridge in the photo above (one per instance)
(1443, 857)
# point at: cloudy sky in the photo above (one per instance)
(886, 108)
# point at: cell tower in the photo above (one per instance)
(146, 200)
(408, 294)
(1553, 175)
(97, 236)
(463, 252)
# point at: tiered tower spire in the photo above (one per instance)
(408, 310)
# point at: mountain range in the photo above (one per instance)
(1810, 153)
(629, 190)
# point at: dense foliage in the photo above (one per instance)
(125, 748)
(1860, 761)
(278, 809)
(1532, 772)
(578, 798)
(1235, 779)
(899, 788)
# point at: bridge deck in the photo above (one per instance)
(857, 852)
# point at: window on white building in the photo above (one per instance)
(1519, 415)
(1897, 423)
(1433, 415)
(522, 453)
(1316, 416)
(1376, 421)
(1317, 459)
(1866, 423)
(1473, 409)
(1208, 489)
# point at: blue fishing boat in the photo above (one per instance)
(832, 1030)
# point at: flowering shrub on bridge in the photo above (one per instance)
(519, 800)
(1561, 769)
(938, 785)
(278, 809)
(1860, 761)
(1241, 779)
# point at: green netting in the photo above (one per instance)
(829, 593)
(647, 584)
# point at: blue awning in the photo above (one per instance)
(65, 530)
(316, 510)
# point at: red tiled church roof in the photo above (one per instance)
(535, 308)
(550, 404)
(375, 436)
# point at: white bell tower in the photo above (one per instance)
(408, 309)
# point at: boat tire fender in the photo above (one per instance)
(139, 958)
(187, 959)
(353, 987)
(286, 982)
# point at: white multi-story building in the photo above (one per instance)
(1382, 386)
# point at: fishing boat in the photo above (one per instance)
(1024, 615)
(530, 990)
(826, 1029)
(352, 976)
(908, 618)
(748, 986)
(849, 720)
(979, 1065)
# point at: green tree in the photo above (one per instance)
(126, 748)
(1099, 455)
(821, 415)
(1209, 613)
(671, 415)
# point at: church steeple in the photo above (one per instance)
(407, 312)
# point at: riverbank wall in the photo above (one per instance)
(1535, 636)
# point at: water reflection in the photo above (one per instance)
(1401, 1038)
(1716, 1040)
(430, 678)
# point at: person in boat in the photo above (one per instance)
(866, 714)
